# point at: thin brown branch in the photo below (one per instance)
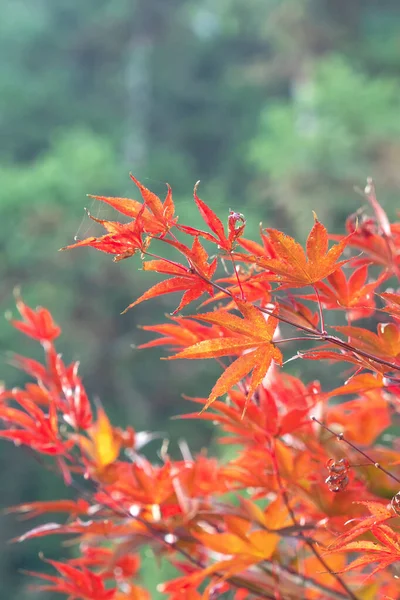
(341, 437)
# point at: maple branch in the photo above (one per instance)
(235, 580)
(175, 536)
(314, 333)
(331, 339)
(342, 438)
(338, 342)
(307, 541)
(295, 339)
(213, 283)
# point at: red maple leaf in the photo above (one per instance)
(236, 225)
(37, 324)
(192, 280)
(157, 217)
(123, 239)
(352, 294)
(79, 584)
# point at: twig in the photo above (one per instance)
(342, 438)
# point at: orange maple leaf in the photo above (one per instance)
(241, 543)
(292, 267)
(365, 382)
(250, 338)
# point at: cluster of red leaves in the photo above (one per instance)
(287, 516)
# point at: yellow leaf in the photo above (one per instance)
(103, 446)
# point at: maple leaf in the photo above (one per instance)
(183, 588)
(157, 217)
(379, 513)
(123, 239)
(31, 367)
(243, 545)
(353, 294)
(376, 238)
(298, 313)
(283, 405)
(108, 561)
(393, 304)
(33, 427)
(364, 348)
(341, 356)
(81, 584)
(380, 483)
(265, 249)
(193, 281)
(385, 553)
(363, 419)
(182, 332)
(236, 225)
(383, 344)
(312, 567)
(37, 324)
(86, 530)
(57, 384)
(35, 391)
(74, 402)
(364, 382)
(293, 267)
(103, 444)
(201, 477)
(33, 509)
(250, 337)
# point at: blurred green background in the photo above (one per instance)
(277, 106)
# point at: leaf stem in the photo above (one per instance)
(321, 313)
(237, 277)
